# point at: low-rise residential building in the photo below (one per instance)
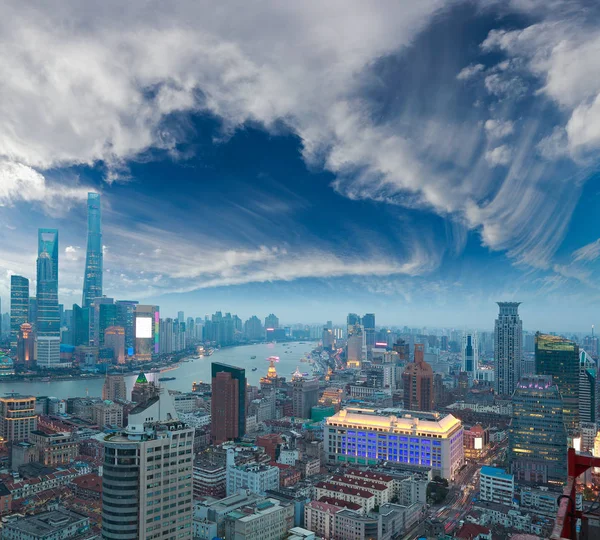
(268, 519)
(256, 477)
(383, 493)
(319, 516)
(210, 479)
(365, 499)
(539, 500)
(351, 525)
(57, 524)
(396, 519)
(88, 487)
(495, 485)
(27, 488)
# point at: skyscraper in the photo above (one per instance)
(26, 346)
(559, 357)
(537, 438)
(146, 465)
(418, 382)
(470, 355)
(48, 314)
(19, 306)
(126, 319)
(92, 279)
(228, 402)
(305, 395)
(368, 322)
(180, 316)
(508, 348)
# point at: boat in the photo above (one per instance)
(252, 357)
(163, 379)
(46, 379)
(254, 369)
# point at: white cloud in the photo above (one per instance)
(498, 129)
(501, 155)
(470, 71)
(588, 253)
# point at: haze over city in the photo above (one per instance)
(420, 160)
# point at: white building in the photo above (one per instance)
(254, 477)
(288, 457)
(366, 437)
(267, 520)
(48, 353)
(496, 486)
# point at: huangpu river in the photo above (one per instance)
(186, 373)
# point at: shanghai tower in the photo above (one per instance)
(92, 280)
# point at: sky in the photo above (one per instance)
(420, 160)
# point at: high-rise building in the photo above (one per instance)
(126, 319)
(305, 395)
(559, 357)
(114, 339)
(418, 382)
(228, 402)
(328, 338)
(153, 456)
(368, 322)
(147, 329)
(589, 391)
(101, 311)
(32, 310)
(92, 279)
(107, 319)
(271, 321)
(470, 355)
(356, 347)
(537, 437)
(19, 306)
(253, 329)
(81, 326)
(508, 348)
(180, 316)
(17, 417)
(48, 315)
(26, 346)
(114, 388)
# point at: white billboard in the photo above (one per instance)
(143, 327)
(478, 443)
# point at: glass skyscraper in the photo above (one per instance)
(48, 313)
(48, 317)
(92, 279)
(537, 437)
(559, 357)
(508, 348)
(19, 306)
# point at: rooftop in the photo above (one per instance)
(46, 523)
(364, 494)
(496, 472)
(332, 501)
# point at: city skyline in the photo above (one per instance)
(425, 207)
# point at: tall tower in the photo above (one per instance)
(228, 402)
(559, 357)
(92, 279)
(418, 382)
(508, 348)
(19, 306)
(48, 314)
(470, 355)
(537, 440)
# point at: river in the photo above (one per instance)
(186, 373)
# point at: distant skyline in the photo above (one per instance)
(417, 160)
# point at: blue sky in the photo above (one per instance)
(421, 160)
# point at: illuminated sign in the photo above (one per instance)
(143, 327)
(381, 344)
(478, 443)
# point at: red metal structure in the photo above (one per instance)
(567, 515)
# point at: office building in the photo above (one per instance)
(417, 381)
(18, 417)
(508, 348)
(368, 323)
(147, 328)
(253, 329)
(210, 478)
(367, 437)
(537, 438)
(470, 355)
(228, 402)
(305, 395)
(356, 347)
(559, 358)
(48, 315)
(271, 321)
(92, 278)
(26, 346)
(19, 306)
(328, 338)
(54, 449)
(126, 320)
(114, 388)
(114, 339)
(81, 326)
(588, 390)
(151, 457)
(107, 413)
(32, 310)
(496, 486)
